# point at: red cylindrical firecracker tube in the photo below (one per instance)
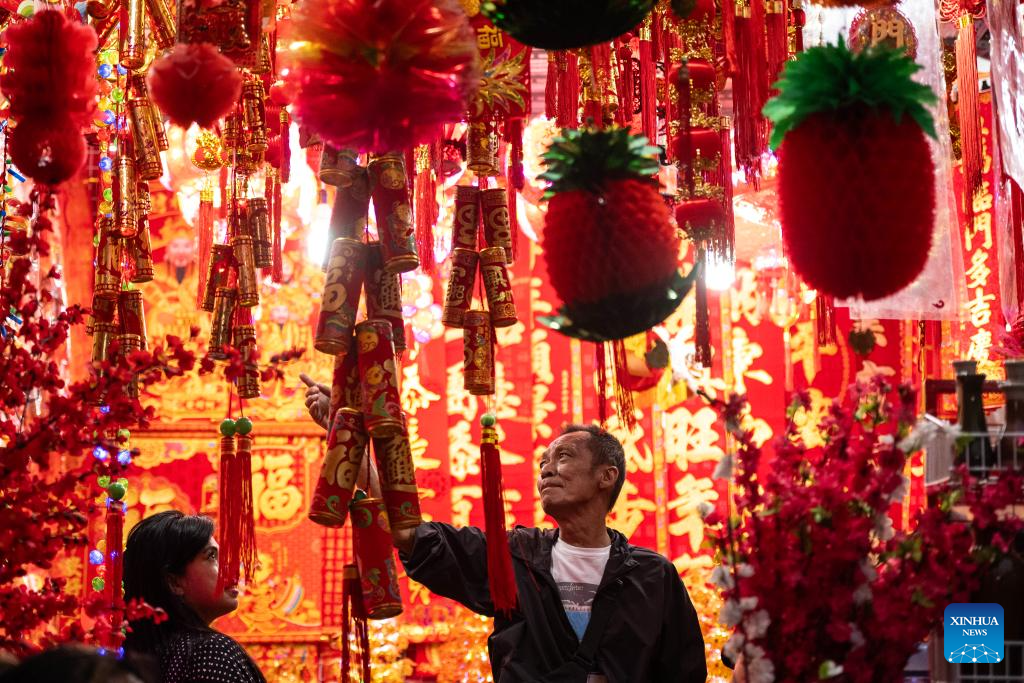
(498, 287)
(466, 224)
(478, 350)
(384, 294)
(133, 316)
(398, 481)
(340, 302)
(371, 538)
(346, 387)
(497, 230)
(346, 448)
(351, 205)
(459, 295)
(393, 208)
(382, 411)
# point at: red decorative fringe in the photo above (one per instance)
(286, 146)
(569, 93)
(1016, 200)
(826, 313)
(115, 569)
(798, 20)
(229, 512)
(243, 490)
(750, 90)
(426, 212)
(601, 360)
(277, 272)
(501, 577)
(778, 42)
(204, 231)
(726, 249)
(729, 37)
(967, 111)
(551, 87)
(624, 84)
(702, 330)
(353, 619)
(648, 92)
(513, 219)
(623, 396)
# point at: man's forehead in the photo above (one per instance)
(572, 439)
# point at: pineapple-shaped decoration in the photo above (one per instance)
(611, 249)
(856, 179)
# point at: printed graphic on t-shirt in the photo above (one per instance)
(577, 599)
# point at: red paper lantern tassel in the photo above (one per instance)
(247, 517)
(569, 93)
(204, 231)
(624, 83)
(623, 395)
(967, 110)
(777, 34)
(798, 18)
(648, 87)
(702, 324)
(750, 86)
(500, 574)
(551, 87)
(601, 361)
(230, 511)
(277, 270)
(353, 625)
(425, 208)
(286, 146)
(115, 569)
(826, 315)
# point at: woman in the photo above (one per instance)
(170, 562)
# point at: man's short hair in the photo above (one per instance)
(605, 449)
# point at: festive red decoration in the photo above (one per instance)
(857, 202)
(48, 150)
(194, 83)
(620, 240)
(500, 575)
(384, 75)
(50, 69)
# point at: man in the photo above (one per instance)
(592, 608)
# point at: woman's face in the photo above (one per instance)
(197, 585)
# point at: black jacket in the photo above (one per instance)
(653, 636)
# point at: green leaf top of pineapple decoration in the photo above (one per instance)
(831, 77)
(586, 159)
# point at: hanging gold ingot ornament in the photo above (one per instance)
(147, 145)
(220, 328)
(125, 219)
(248, 287)
(133, 35)
(255, 116)
(259, 229)
(209, 154)
(162, 22)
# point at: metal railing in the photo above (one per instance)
(1010, 669)
(986, 454)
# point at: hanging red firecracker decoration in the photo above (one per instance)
(856, 180)
(381, 76)
(194, 83)
(611, 250)
(501, 577)
(565, 24)
(235, 524)
(51, 85)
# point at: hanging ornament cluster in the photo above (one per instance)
(381, 76)
(236, 528)
(856, 180)
(566, 24)
(611, 250)
(50, 83)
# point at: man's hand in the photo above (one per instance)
(403, 539)
(318, 401)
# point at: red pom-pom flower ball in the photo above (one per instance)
(856, 179)
(380, 76)
(194, 83)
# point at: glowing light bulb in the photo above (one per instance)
(720, 274)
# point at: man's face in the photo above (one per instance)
(568, 478)
(180, 252)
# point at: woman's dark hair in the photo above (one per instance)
(158, 547)
(80, 664)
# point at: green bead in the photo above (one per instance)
(108, 194)
(98, 584)
(227, 427)
(489, 419)
(117, 95)
(123, 481)
(359, 495)
(123, 434)
(243, 426)
(103, 480)
(117, 490)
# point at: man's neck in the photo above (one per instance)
(583, 533)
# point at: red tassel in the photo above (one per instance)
(286, 146)
(778, 39)
(426, 212)
(501, 577)
(569, 93)
(750, 90)
(1016, 200)
(624, 83)
(115, 570)
(623, 396)
(551, 87)
(826, 313)
(967, 111)
(726, 249)
(230, 510)
(601, 359)
(729, 37)
(353, 625)
(648, 90)
(702, 330)
(204, 231)
(242, 488)
(277, 271)
(798, 19)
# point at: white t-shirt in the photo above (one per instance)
(578, 572)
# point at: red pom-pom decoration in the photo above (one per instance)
(50, 69)
(194, 83)
(48, 151)
(384, 75)
(858, 202)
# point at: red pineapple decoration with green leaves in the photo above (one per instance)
(856, 179)
(611, 249)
